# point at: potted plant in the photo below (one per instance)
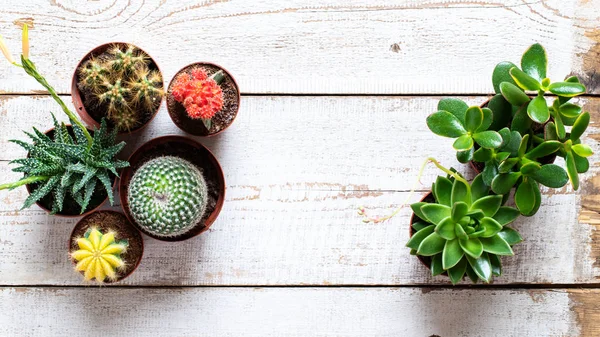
(120, 82)
(104, 247)
(514, 137)
(68, 170)
(174, 189)
(203, 99)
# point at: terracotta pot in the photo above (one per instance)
(196, 126)
(78, 98)
(192, 151)
(425, 260)
(50, 133)
(105, 220)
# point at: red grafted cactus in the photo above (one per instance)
(200, 95)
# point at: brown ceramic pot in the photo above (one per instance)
(222, 120)
(192, 151)
(105, 220)
(79, 98)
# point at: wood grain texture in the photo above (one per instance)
(335, 46)
(290, 213)
(294, 312)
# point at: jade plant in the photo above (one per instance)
(99, 255)
(463, 229)
(73, 163)
(515, 137)
(167, 196)
(120, 82)
(200, 95)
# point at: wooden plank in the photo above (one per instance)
(282, 46)
(297, 312)
(290, 214)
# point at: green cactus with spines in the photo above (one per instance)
(127, 60)
(146, 87)
(93, 74)
(114, 95)
(167, 196)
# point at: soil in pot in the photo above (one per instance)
(194, 153)
(222, 119)
(110, 220)
(129, 95)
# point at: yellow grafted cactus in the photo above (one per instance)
(99, 255)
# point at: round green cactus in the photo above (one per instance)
(167, 196)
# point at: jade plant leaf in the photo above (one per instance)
(550, 131)
(582, 150)
(572, 170)
(435, 213)
(473, 118)
(501, 112)
(481, 266)
(465, 156)
(530, 168)
(488, 118)
(492, 227)
(511, 236)
(460, 192)
(463, 143)
(488, 139)
(445, 229)
(535, 62)
(479, 188)
(489, 172)
(452, 254)
(502, 74)
(528, 197)
(482, 155)
(506, 215)
(570, 110)
(443, 190)
(472, 247)
(455, 106)
(567, 89)
(504, 182)
(457, 272)
(489, 205)
(419, 236)
(496, 245)
(507, 165)
(551, 175)
(523, 80)
(436, 265)
(513, 94)
(581, 164)
(431, 245)
(521, 122)
(544, 149)
(537, 110)
(445, 124)
(581, 123)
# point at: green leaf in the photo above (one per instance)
(544, 149)
(463, 143)
(452, 254)
(431, 245)
(489, 205)
(507, 165)
(570, 110)
(496, 264)
(537, 110)
(482, 155)
(489, 172)
(481, 266)
(473, 118)
(472, 247)
(435, 213)
(567, 89)
(436, 265)
(534, 62)
(417, 226)
(501, 112)
(521, 121)
(513, 145)
(581, 123)
(551, 175)
(460, 192)
(457, 272)
(511, 236)
(528, 197)
(506, 215)
(530, 168)
(488, 117)
(416, 207)
(107, 184)
(572, 170)
(523, 146)
(502, 74)
(560, 126)
(582, 164)
(488, 139)
(471, 274)
(496, 245)
(454, 106)
(550, 131)
(445, 229)
(445, 124)
(443, 190)
(513, 94)
(464, 156)
(523, 80)
(504, 182)
(491, 227)
(419, 236)
(459, 210)
(479, 188)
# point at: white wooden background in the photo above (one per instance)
(335, 95)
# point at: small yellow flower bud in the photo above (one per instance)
(5, 50)
(25, 42)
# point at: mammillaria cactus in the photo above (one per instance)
(120, 82)
(201, 95)
(99, 255)
(167, 196)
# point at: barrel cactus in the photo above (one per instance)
(99, 255)
(167, 196)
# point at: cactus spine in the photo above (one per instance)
(99, 255)
(167, 196)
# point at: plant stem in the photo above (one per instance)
(32, 71)
(26, 181)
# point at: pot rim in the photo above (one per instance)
(127, 174)
(169, 110)
(78, 100)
